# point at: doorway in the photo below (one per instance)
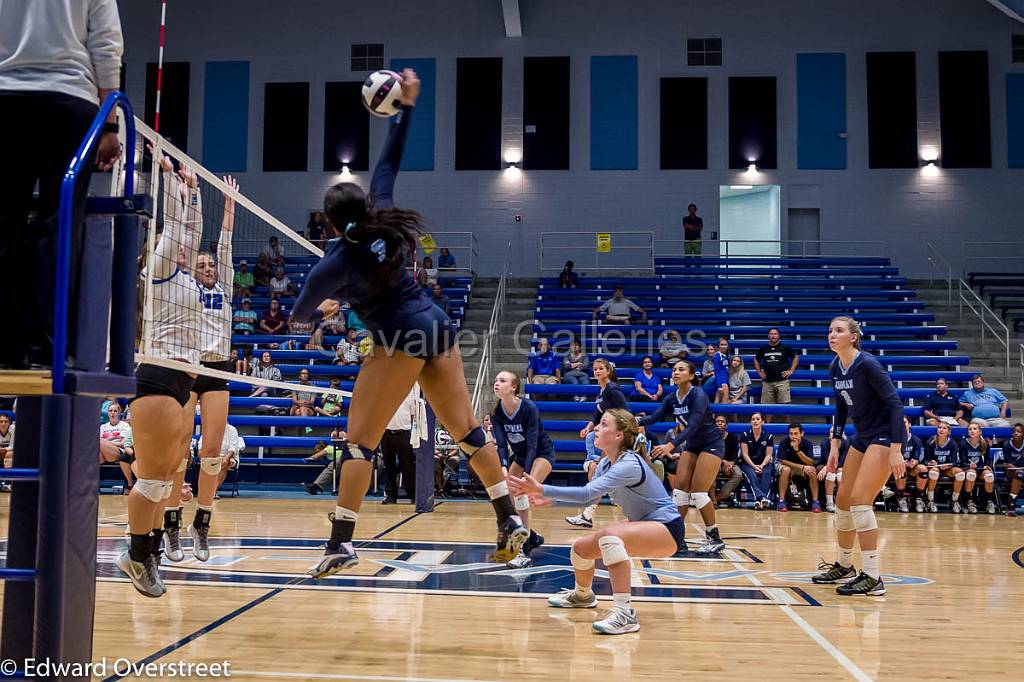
(749, 219)
(804, 232)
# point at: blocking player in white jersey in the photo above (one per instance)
(162, 412)
(214, 277)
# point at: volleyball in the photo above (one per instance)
(382, 92)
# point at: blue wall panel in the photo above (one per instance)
(613, 113)
(419, 148)
(1015, 119)
(226, 116)
(821, 110)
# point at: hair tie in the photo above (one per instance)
(347, 228)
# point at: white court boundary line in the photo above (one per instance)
(831, 649)
(341, 676)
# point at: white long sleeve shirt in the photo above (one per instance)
(402, 421)
(68, 46)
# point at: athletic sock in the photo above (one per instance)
(956, 496)
(342, 528)
(844, 557)
(502, 502)
(871, 563)
(931, 495)
(588, 512)
(140, 547)
(584, 592)
(202, 517)
(622, 601)
(172, 518)
(830, 499)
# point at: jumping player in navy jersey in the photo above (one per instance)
(865, 394)
(702, 449)
(609, 397)
(364, 264)
(942, 458)
(523, 447)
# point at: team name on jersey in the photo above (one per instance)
(843, 384)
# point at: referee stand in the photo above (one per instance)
(50, 571)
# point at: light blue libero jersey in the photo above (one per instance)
(631, 484)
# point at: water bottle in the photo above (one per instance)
(118, 489)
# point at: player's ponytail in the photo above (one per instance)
(351, 217)
(625, 423)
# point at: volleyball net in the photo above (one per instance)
(214, 265)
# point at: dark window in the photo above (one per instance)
(752, 122)
(704, 52)
(1017, 45)
(478, 113)
(964, 110)
(684, 123)
(546, 83)
(346, 127)
(892, 110)
(285, 126)
(173, 101)
(367, 56)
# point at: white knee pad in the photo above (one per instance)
(831, 476)
(680, 498)
(933, 474)
(154, 490)
(863, 517)
(844, 520)
(210, 465)
(613, 550)
(578, 562)
(182, 465)
(960, 475)
(988, 476)
(522, 503)
(970, 475)
(700, 500)
(839, 476)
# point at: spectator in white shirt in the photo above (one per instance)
(281, 284)
(618, 309)
(231, 447)
(396, 449)
(273, 252)
(116, 443)
(347, 352)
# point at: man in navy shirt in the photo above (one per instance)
(796, 459)
(943, 406)
(692, 226)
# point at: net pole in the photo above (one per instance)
(160, 64)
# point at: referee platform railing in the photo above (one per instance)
(45, 555)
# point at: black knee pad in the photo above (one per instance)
(351, 451)
(123, 456)
(472, 441)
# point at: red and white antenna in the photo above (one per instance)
(160, 65)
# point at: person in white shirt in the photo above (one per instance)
(58, 60)
(231, 447)
(396, 449)
(273, 252)
(281, 283)
(117, 444)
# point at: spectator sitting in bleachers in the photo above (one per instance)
(244, 319)
(913, 455)
(567, 279)
(942, 406)
(303, 401)
(975, 462)
(832, 479)
(739, 381)
(987, 405)
(544, 366)
(942, 456)
(441, 300)
(273, 320)
(7, 440)
(231, 447)
(575, 365)
(331, 403)
(315, 229)
(273, 252)
(263, 271)
(796, 459)
(619, 310)
(426, 276)
(116, 443)
(775, 364)
(672, 349)
(244, 281)
(335, 324)
(329, 451)
(716, 372)
(347, 352)
(265, 369)
(756, 447)
(296, 328)
(281, 284)
(647, 386)
(1013, 464)
(445, 266)
(730, 461)
(244, 361)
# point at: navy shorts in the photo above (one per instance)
(678, 530)
(423, 334)
(207, 384)
(715, 447)
(154, 380)
(862, 443)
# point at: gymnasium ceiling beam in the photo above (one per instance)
(513, 23)
(1011, 8)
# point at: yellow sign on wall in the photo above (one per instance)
(604, 242)
(428, 244)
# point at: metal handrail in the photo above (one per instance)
(487, 349)
(548, 249)
(989, 248)
(725, 249)
(980, 312)
(933, 255)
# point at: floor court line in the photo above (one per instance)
(341, 676)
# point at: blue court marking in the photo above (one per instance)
(751, 556)
(811, 601)
(246, 607)
(653, 578)
(1018, 557)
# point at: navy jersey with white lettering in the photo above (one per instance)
(348, 269)
(1012, 455)
(692, 412)
(913, 448)
(865, 393)
(973, 454)
(821, 452)
(522, 433)
(946, 453)
(610, 397)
